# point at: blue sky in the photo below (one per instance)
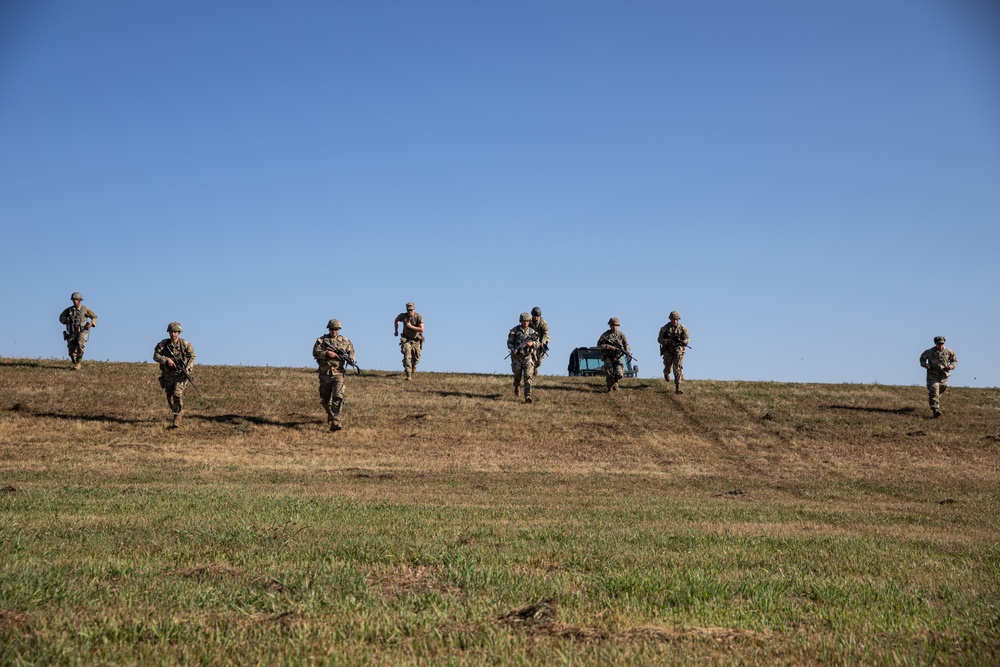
(815, 186)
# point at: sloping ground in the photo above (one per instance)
(759, 433)
(449, 523)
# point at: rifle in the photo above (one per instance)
(75, 325)
(342, 354)
(178, 365)
(621, 350)
(522, 347)
(677, 340)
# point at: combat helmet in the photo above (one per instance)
(409, 305)
(614, 320)
(525, 317)
(674, 315)
(333, 324)
(174, 326)
(76, 295)
(938, 340)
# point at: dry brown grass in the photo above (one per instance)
(765, 436)
(755, 522)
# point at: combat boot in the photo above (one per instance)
(517, 390)
(937, 413)
(335, 425)
(177, 420)
(678, 389)
(409, 375)
(527, 399)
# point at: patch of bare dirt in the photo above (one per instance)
(223, 571)
(397, 581)
(543, 618)
(14, 621)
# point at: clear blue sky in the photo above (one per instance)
(815, 186)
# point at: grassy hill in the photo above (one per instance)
(448, 522)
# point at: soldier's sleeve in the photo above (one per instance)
(158, 353)
(953, 359)
(510, 339)
(625, 344)
(93, 317)
(189, 353)
(318, 351)
(685, 335)
(661, 337)
(64, 317)
(350, 350)
(923, 357)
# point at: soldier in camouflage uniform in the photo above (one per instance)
(412, 339)
(332, 352)
(939, 362)
(173, 354)
(522, 341)
(79, 320)
(614, 345)
(673, 340)
(541, 327)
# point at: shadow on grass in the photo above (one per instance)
(106, 419)
(891, 411)
(49, 363)
(242, 420)
(465, 394)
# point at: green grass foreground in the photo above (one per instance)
(449, 523)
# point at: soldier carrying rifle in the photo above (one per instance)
(614, 346)
(522, 342)
(673, 340)
(175, 357)
(333, 353)
(79, 320)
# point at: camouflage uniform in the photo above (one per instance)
(171, 378)
(410, 342)
(541, 327)
(672, 339)
(331, 372)
(522, 361)
(939, 363)
(611, 343)
(78, 320)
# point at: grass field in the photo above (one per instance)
(449, 523)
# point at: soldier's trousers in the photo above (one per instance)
(174, 387)
(411, 353)
(673, 361)
(614, 370)
(75, 345)
(331, 393)
(524, 370)
(936, 387)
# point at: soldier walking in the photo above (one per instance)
(614, 346)
(939, 362)
(541, 327)
(176, 358)
(333, 353)
(79, 320)
(522, 341)
(412, 339)
(673, 339)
